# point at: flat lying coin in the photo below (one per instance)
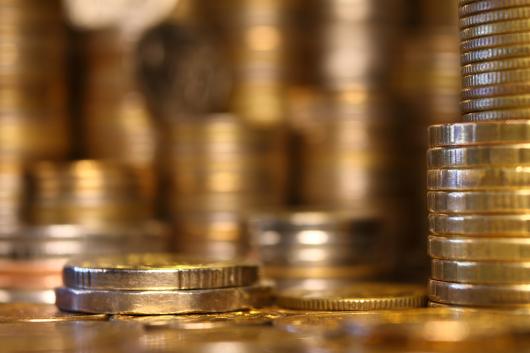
(495, 41)
(477, 156)
(495, 28)
(493, 103)
(480, 226)
(462, 134)
(495, 16)
(479, 249)
(517, 201)
(508, 114)
(497, 90)
(156, 272)
(361, 296)
(471, 272)
(471, 7)
(26, 312)
(496, 78)
(478, 178)
(479, 294)
(163, 301)
(495, 54)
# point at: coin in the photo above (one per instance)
(508, 114)
(157, 302)
(495, 28)
(476, 156)
(495, 54)
(157, 272)
(471, 7)
(517, 201)
(26, 312)
(480, 226)
(360, 296)
(471, 272)
(496, 78)
(481, 133)
(507, 89)
(479, 249)
(492, 103)
(496, 65)
(315, 322)
(495, 16)
(478, 179)
(495, 41)
(479, 294)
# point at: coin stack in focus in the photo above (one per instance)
(83, 207)
(160, 284)
(318, 250)
(221, 169)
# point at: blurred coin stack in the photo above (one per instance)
(477, 179)
(152, 284)
(220, 170)
(318, 250)
(77, 208)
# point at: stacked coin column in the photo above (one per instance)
(221, 170)
(478, 177)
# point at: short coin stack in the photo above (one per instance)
(495, 57)
(318, 249)
(479, 199)
(147, 284)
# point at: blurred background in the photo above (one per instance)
(290, 131)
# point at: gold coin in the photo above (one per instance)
(486, 272)
(496, 65)
(495, 90)
(479, 249)
(470, 7)
(496, 78)
(494, 41)
(480, 226)
(494, 103)
(478, 178)
(358, 297)
(495, 16)
(495, 54)
(516, 155)
(487, 295)
(495, 28)
(160, 302)
(517, 201)
(508, 114)
(26, 312)
(480, 133)
(156, 272)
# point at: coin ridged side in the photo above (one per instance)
(496, 65)
(479, 294)
(517, 201)
(498, 90)
(494, 41)
(479, 249)
(478, 179)
(495, 103)
(513, 225)
(496, 78)
(463, 134)
(495, 28)
(497, 53)
(515, 155)
(508, 114)
(506, 14)
(472, 6)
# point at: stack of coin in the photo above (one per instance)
(318, 249)
(160, 284)
(495, 58)
(221, 169)
(479, 209)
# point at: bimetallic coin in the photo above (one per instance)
(487, 295)
(160, 302)
(494, 29)
(360, 296)
(482, 133)
(479, 249)
(156, 272)
(476, 156)
(26, 312)
(508, 114)
(495, 54)
(495, 16)
(517, 201)
(495, 103)
(496, 78)
(471, 7)
(478, 179)
(514, 225)
(485, 272)
(495, 41)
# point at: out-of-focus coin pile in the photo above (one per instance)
(221, 169)
(478, 187)
(319, 250)
(160, 284)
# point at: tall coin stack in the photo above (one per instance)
(478, 178)
(221, 169)
(318, 250)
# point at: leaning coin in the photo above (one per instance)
(158, 302)
(494, 41)
(479, 294)
(476, 156)
(484, 272)
(479, 249)
(514, 225)
(358, 297)
(496, 78)
(481, 133)
(156, 272)
(495, 54)
(26, 312)
(495, 16)
(517, 201)
(508, 114)
(495, 103)
(471, 7)
(497, 90)
(495, 28)
(478, 179)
